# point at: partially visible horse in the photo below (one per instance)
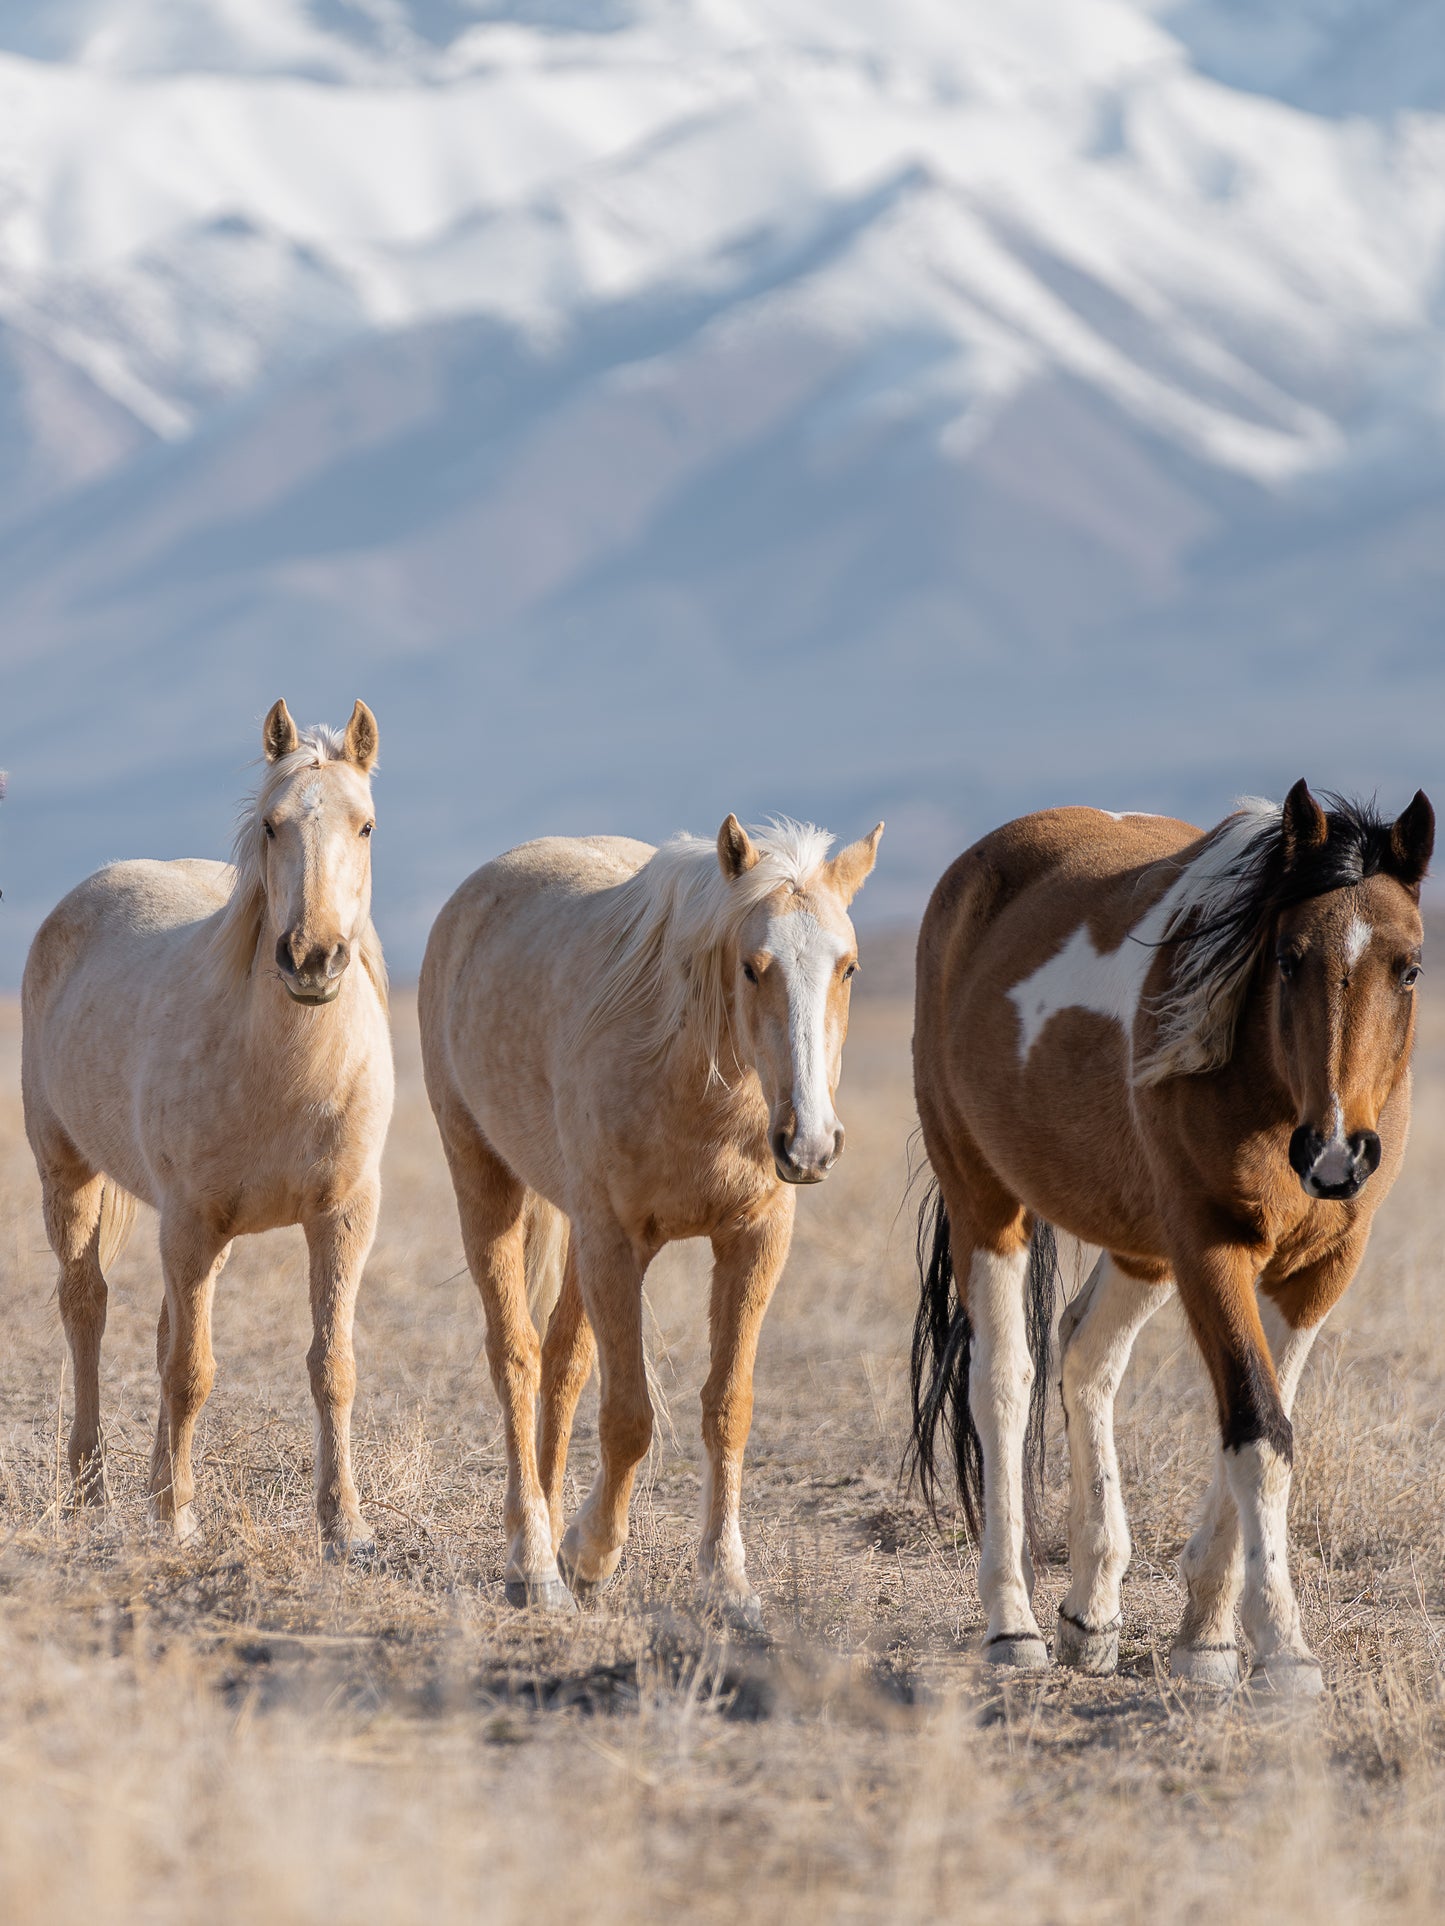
(1191, 1050)
(649, 1042)
(194, 1037)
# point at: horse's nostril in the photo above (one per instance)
(1304, 1149)
(284, 959)
(1365, 1145)
(781, 1148)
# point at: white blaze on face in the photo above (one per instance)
(1336, 1161)
(808, 956)
(1358, 938)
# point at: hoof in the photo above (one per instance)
(360, 1552)
(736, 1611)
(1024, 1651)
(1082, 1649)
(89, 1486)
(580, 1586)
(1216, 1665)
(1287, 1676)
(540, 1595)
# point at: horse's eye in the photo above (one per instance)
(1287, 966)
(1410, 976)
(850, 972)
(750, 973)
(270, 832)
(366, 828)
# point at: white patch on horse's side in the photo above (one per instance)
(1127, 815)
(1357, 940)
(808, 956)
(1112, 981)
(1079, 977)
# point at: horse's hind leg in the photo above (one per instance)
(72, 1199)
(568, 1352)
(747, 1265)
(1096, 1346)
(338, 1242)
(491, 1209)
(1001, 1375)
(192, 1256)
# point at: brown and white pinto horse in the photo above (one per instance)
(1191, 1050)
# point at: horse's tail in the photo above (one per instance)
(117, 1221)
(942, 1353)
(546, 1232)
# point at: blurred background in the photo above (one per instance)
(932, 409)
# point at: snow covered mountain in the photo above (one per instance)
(917, 407)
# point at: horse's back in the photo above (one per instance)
(1031, 880)
(1047, 900)
(124, 904)
(92, 963)
(528, 899)
(505, 961)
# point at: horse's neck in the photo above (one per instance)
(728, 1104)
(1251, 1063)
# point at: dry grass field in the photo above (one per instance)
(241, 1732)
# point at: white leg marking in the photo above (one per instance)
(1000, 1376)
(1213, 1563)
(1096, 1355)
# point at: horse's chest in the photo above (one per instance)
(688, 1189)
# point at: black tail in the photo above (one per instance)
(942, 1351)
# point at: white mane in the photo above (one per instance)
(239, 928)
(669, 934)
(1219, 895)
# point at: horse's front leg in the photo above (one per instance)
(192, 1255)
(609, 1274)
(748, 1260)
(338, 1241)
(1212, 1562)
(1239, 1553)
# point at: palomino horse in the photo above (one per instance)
(1192, 1051)
(193, 1037)
(647, 1041)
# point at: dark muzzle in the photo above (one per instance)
(1338, 1169)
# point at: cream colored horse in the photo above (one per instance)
(648, 1041)
(194, 1037)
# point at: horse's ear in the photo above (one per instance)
(1304, 823)
(362, 739)
(278, 733)
(736, 850)
(1412, 841)
(852, 867)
